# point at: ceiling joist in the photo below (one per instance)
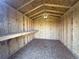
(55, 5)
(25, 4)
(36, 17)
(49, 14)
(59, 13)
(37, 13)
(52, 5)
(55, 11)
(35, 8)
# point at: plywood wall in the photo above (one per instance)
(12, 21)
(47, 28)
(69, 29)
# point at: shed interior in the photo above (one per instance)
(22, 21)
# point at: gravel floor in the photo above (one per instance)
(43, 49)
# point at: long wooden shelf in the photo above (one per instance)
(10, 36)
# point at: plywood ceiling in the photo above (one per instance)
(35, 8)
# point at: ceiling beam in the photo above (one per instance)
(56, 15)
(52, 5)
(53, 11)
(56, 5)
(25, 4)
(35, 8)
(37, 13)
(36, 17)
(49, 14)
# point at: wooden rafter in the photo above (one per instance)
(56, 5)
(49, 14)
(34, 8)
(37, 13)
(47, 11)
(52, 5)
(55, 11)
(25, 4)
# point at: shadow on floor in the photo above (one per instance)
(43, 49)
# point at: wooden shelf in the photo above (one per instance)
(10, 36)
